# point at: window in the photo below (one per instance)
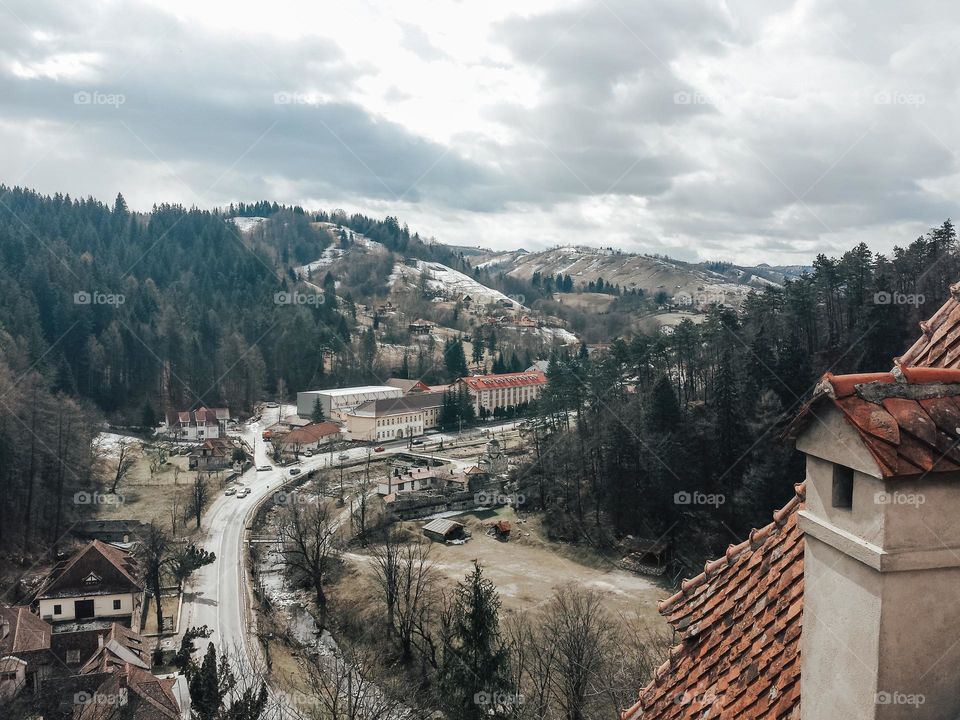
(73, 657)
(58, 609)
(842, 487)
(116, 604)
(91, 579)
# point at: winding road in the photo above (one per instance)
(217, 594)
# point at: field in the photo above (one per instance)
(529, 568)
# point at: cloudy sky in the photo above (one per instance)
(748, 130)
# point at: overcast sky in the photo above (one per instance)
(747, 130)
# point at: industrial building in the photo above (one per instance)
(337, 400)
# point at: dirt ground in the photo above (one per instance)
(145, 497)
(528, 568)
(169, 603)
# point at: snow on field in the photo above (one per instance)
(246, 224)
(108, 443)
(449, 281)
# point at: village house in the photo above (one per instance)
(312, 437)
(504, 390)
(200, 424)
(420, 327)
(842, 607)
(395, 418)
(214, 454)
(99, 581)
(25, 658)
(412, 480)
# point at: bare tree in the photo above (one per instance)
(154, 554)
(340, 688)
(125, 463)
(176, 512)
(311, 546)
(404, 574)
(199, 498)
(582, 635)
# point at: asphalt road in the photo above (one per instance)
(215, 595)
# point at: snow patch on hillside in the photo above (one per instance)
(246, 224)
(449, 282)
(333, 253)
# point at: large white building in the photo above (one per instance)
(337, 400)
(394, 418)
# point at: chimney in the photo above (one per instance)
(881, 617)
(4, 628)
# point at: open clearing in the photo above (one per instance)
(528, 569)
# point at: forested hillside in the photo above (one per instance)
(678, 436)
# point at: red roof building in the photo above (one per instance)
(504, 390)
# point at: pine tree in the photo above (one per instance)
(317, 414)
(475, 661)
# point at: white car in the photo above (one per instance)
(230, 491)
(265, 468)
(243, 493)
(308, 453)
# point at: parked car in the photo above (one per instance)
(378, 448)
(343, 456)
(271, 405)
(230, 491)
(308, 453)
(416, 442)
(264, 468)
(243, 493)
(295, 471)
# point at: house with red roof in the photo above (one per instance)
(98, 582)
(843, 607)
(25, 658)
(200, 424)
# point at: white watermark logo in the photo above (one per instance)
(899, 498)
(96, 498)
(485, 497)
(298, 298)
(698, 498)
(898, 298)
(85, 297)
(899, 698)
(498, 699)
(95, 97)
(895, 97)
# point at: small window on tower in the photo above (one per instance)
(842, 487)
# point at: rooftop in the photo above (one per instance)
(908, 419)
(340, 392)
(487, 382)
(739, 625)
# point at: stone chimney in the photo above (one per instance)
(881, 607)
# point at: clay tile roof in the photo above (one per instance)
(25, 631)
(117, 568)
(908, 420)
(939, 342)
(739, 627)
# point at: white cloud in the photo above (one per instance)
(745, 130)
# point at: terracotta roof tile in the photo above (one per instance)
(939, 343)
(739, 625)
(909, 420)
